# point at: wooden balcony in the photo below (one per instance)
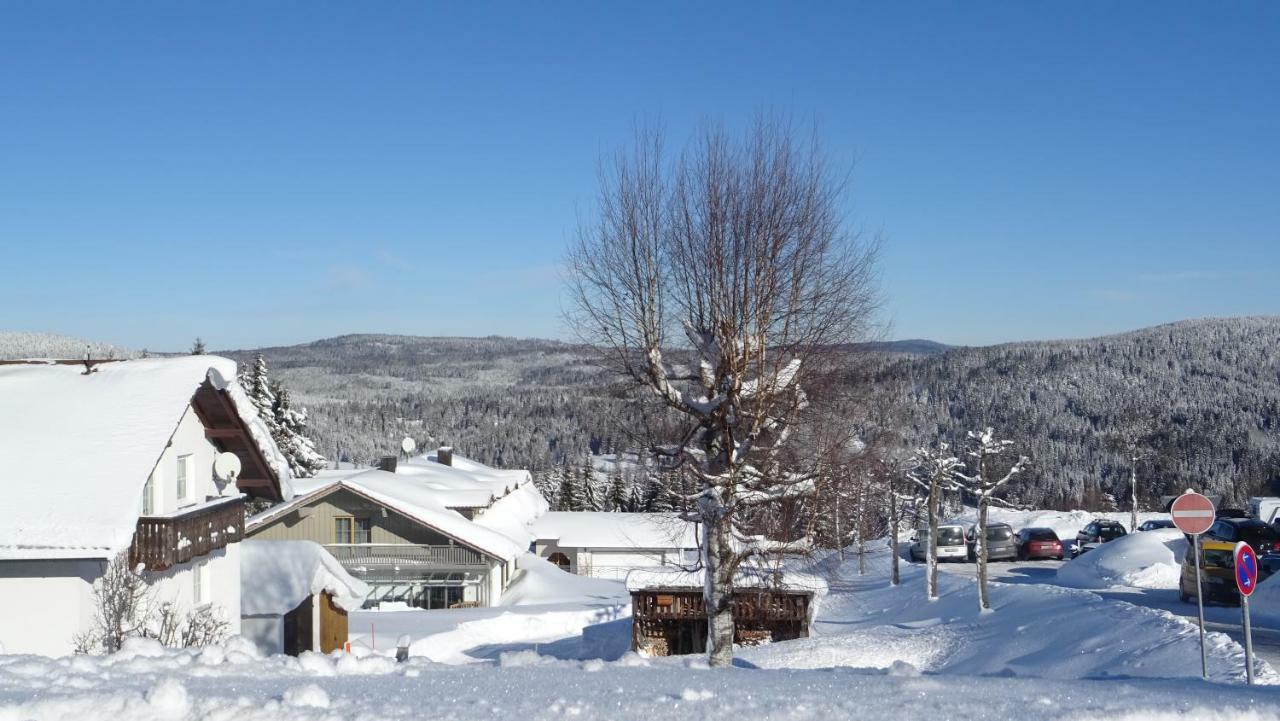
(161, 542)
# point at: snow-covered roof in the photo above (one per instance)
(77, 448)
(276, 576)
(672, 577)
(616, 530)
(464, 483)
(408, 495)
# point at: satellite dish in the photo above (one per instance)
(408, 445)
(226, 467)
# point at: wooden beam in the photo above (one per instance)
(223, 433)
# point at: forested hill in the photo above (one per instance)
(503, 401)
(1203, 396)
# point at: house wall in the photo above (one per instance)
(45, 604)
(189, 440)
(219, 585)
(314, 522)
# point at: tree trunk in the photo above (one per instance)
(932, 571)
(980, 542)
(893, 536)
(719, 590)
(1133, 484)
(862, 551)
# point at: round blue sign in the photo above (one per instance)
(1246, 568)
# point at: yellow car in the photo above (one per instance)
(1217, 573)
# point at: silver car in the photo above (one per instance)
(1001, 543)
(950, 544)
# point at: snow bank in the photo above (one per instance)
(1151, 559)
(539, 581)
(1264, 604)
(1035, 630)
(228, 683)
(276, 576)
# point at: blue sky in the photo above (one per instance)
(271, 173)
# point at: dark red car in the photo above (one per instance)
(1038, 543)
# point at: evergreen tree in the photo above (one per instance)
(197, 348)
(288, 426)
(617, 496)
(590, 495)
(569, 497)
(304, 460)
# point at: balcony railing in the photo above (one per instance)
(161, 542)
(384, 555)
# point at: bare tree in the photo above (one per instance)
(736, 253)
(984, 484)
(933, 470)
(121, 609)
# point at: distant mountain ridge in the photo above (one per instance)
(1203, 394)
(18, 345)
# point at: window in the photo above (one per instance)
(349, 529)
(197, 584)
(149, 496)
(183, 462)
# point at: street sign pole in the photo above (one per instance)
(1204, 659)
(1246, 571)
(1193, 514)
(1248, 641)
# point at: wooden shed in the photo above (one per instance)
(671, 619)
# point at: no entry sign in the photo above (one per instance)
(1192, 513)
(1246, 569)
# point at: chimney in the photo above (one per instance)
(388, 464)
(444, 455)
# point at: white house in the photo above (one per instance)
(437, 531)
(609, 545)
(110, 457)
(295, 597)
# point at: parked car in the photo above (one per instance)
(1098, 532)
(951, 544)
(1261, 536)
(1230, 513)
(1038, 543)
(1156, 524)
(1000, 542)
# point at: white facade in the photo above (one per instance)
(611, 545)
(48, 601)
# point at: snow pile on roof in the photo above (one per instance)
(277, 576)
(1150, 559)
(78, 448)
(407, 495)
(513, 514)
(616, 530)
(754, 577)
(539, 581)
(465, 483)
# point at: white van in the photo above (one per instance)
(951, 544)
(1265, 509)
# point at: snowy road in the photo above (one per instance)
(1266, 641)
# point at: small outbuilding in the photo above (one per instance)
(669, 613)
(611, 545)
(295, 597)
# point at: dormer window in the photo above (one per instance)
(183, 486)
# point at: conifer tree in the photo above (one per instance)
(617, 498)
(569, 497)
(197, 348)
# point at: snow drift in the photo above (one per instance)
(1151, 559)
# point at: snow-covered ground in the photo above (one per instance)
(145, 683)
(558, 650)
